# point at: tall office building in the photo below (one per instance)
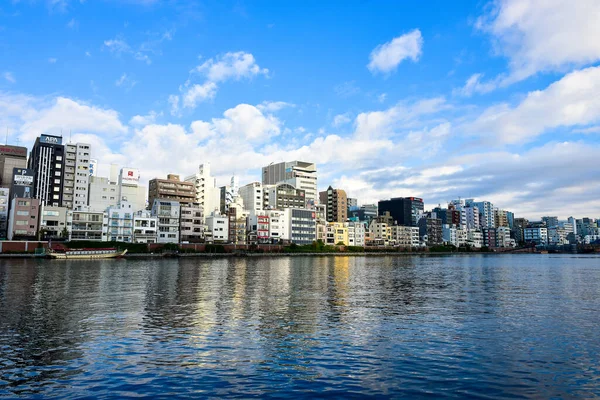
(130, 189)
(172, 189)
(337, 204)
(301, 175)
(11, 157)
(404, 211)
(76, 175)
(486, 212)
(47, 160)
(207, 194)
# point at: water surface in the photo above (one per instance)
(511, 326)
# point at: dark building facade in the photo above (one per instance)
(432, 227)
(47, 160)
(11, 157)
(337, 204)
(404, 210)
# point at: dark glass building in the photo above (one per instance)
(404, 210)
(47, 160)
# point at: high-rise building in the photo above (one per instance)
(253, 195)
(284, 195)
(403, 210)
(130, 190)
(11, 157)
(103, 193)
(550, 221)
(206, 192)
(302, 175)
(486, 212)
(501, 218)
(47, 160)
(172, 189)
(337, 204)
(76, 175)
(352, 202)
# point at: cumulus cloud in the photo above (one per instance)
(541, 36)
(195, 94)
(571, 101)
(386, 57)
(141, 120)
(231, 65)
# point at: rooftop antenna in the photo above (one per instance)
(69, 136)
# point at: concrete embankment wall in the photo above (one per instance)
(20, 246)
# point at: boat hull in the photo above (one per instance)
(86, 255)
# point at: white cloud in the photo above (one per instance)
(52, 60)
(231, 65)
(125, 81)
(117, 46)
(198, 93)
(9, 77)
(381, 98)
(120, 46)
(248, 122)
(341, 119)
(174, 104)
(386, 57)
(539, 36)
(401, 116)
(216, 70)
(475, 85)
(589, 129)
(141, 120)
(570, 101)
(273, 106)
(88, 54)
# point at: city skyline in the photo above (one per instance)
(387, 102)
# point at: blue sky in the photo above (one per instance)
(495, 100)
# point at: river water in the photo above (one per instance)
(525, 326)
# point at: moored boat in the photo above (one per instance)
(78, 254)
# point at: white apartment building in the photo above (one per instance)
(208, 195)
(103, 193)
(252, 195)
(145, 227)
(486, 212)
(217, 228)
(461, 237)
(474, 238)
(279, 224)
(168, 216)
(302, 175)
(356, 233)
(76, 175)
(191, 223)
(53, 222)
(86, 225)
(471, 217)
(405, 236)
(503, 237)
(557, 236)
(537, 235)
(120, 223)
(130, 190)
(449, 234)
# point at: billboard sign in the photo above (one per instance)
(22, 185)
(47, 139)
(13, 151)
(130, 176)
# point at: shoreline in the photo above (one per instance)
(142, 256)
